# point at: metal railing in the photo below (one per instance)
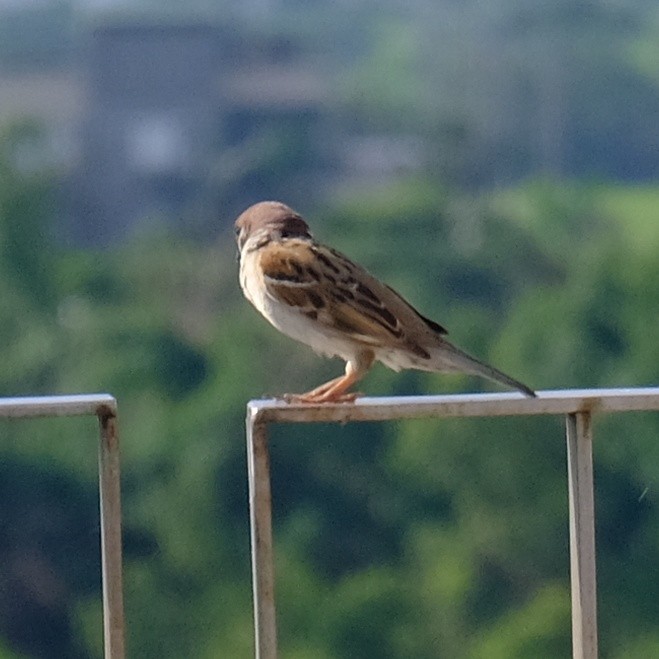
(578, 406)
(104, 407)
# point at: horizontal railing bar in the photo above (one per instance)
(458, 405)
(76, 405)
(104, 406)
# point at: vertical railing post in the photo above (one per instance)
(110, 503)
(582, 535)
(260, 514)
(578, 407)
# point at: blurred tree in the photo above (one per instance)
(429, 539)
(49, 545)
(26, 214)
(504, 89)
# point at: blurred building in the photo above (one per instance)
(184, 123)
(148, 132)
(172, 123)
(175, 125)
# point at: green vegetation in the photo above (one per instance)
(424, 539)
(416, 539)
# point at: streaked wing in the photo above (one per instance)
(329, 289)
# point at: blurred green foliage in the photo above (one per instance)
(417, 539)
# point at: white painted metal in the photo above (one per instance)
(111, 550)
(578, 405)
(496, 404)
(582, 535)
(104, 407)
(260, 507)
(78, 405)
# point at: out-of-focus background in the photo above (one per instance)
(495, 160)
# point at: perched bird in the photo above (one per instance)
(318, 296)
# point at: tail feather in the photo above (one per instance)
(460, 360)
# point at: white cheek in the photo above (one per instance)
(250, 282)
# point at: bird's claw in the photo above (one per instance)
(309, 399)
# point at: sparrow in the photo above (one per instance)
(318, 296)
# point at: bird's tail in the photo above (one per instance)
(461, 361)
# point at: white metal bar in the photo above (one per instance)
(462, 405)
(111, 550)
(104, 407)
(260, 510)
(78, 405)
(578, 405)
(582, 535)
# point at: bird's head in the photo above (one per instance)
(268, 221)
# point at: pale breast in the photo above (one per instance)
(289, 319)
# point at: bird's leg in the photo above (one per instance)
(320, 390)
(335, 391)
